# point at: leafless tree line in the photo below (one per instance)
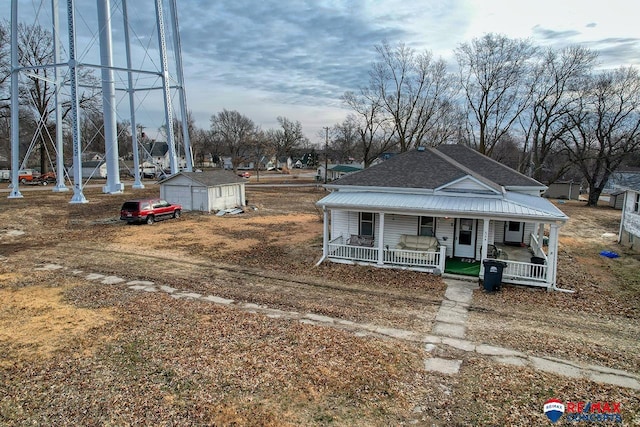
(542, 111)
(545, 111)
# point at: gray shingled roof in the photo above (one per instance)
(429, 169)
(412, 169)
(210, 178)
(487, 167)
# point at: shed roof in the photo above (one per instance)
(209, 178)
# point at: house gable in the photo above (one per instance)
(467, 184)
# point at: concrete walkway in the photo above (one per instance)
(449, 330)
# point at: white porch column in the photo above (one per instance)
(552, 256)
(485, 243)
(325, 232)
(541, 236)
(381, 239)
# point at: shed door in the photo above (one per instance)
(200, 199)
(465, 241)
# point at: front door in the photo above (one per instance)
(513, 232)
(465, 241)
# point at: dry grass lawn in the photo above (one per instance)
(77, 352)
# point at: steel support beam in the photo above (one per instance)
(113, 185)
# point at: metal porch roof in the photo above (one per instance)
(511, 205)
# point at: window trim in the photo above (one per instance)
(433, 225)
(372, 222)
(636, 203)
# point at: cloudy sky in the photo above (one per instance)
(295, 58)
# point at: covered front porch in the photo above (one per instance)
(528, 248)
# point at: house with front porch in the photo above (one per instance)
(440, 210)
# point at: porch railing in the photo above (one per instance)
(524, 271)
(401, 257)
(536, 247)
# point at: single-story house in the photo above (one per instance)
(337, 171)
(204, 191)
(91, 169)
(630, 221)
(430, 208)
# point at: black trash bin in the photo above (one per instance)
(535, 270)
(493, 274)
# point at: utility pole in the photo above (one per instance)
(326, 153)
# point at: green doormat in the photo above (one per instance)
(458, 266)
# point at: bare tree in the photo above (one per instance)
(236, 133)
(604, 126)
(5, 69)
(288, 138)
(344, 139)
(375, 129)
(495, 77)
(412, 88)
(204, 145)
(557, 76)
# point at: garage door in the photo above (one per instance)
(178, 194)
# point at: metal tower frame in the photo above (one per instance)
(113, 184)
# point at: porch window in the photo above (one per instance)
(366, 224)
(514, 226)
(636, 205)
(427, 226)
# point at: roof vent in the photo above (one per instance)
(421, 148)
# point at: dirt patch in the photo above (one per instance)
(36, 322)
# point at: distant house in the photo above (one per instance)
(337, 171)
(157, 153)
(434, 209)
(91, 169)
(630, 221)
(204, 191)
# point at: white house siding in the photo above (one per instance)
(343, 223)
(630, 233)
(396, 225)
(444, 233)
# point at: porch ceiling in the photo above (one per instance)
(511, 205)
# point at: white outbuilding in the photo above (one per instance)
(204, 191)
